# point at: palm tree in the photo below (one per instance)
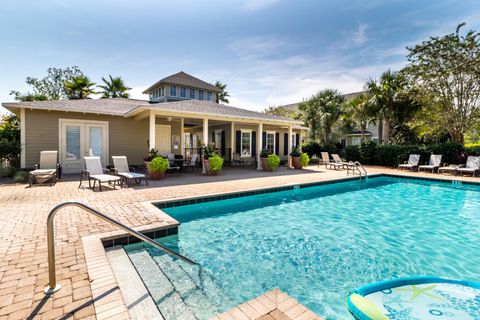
(79, 87)
(359, 111)
(321, 112)
(114, 88)
(383, 94)
(223, 95)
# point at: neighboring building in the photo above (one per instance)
(353, 137)
(182, 86)
(107, 127)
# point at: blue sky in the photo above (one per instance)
(269, 52)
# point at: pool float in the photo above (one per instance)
(416, 298)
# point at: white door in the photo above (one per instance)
(80, 138)
(163, 138)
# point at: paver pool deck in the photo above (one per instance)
(23, 246)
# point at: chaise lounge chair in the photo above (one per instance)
(433, 164)
(472, 166)
(338, 162)
(121, 168)
(412, 163)
(96, 173)
(452, 169)
(47, 171)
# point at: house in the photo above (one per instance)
(168, 122)
(352, 137)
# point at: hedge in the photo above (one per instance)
(314, 148)
(390, 155)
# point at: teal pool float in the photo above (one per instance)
(416, 298)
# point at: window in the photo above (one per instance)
(183, 92)
(294, 140)
(162, 91)
(270, 142)
(173, 91)
(201, 95)
(246, 144)
(209, 96)
(192, 93)
(218, 138)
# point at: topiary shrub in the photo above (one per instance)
(216, 163)
(304, 159)
(159, 164)
(273, 161)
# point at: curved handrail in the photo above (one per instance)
(358, 164)
(52, 284)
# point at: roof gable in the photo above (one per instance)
(183, 79)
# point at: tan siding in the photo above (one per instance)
(126, 136)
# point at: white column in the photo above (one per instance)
(259, 145)
(205, 139)
(300, 138)
(23, 146)
(182, 137)
(232, 140)
(151, 138)
(290, 132)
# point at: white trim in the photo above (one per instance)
(249, 131)
(274, 139)
(23, 145)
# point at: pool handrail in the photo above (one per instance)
(52, 284)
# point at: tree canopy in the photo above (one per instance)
(79, 87)
(223, 95)
(113, 87)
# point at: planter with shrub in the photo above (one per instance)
(157, 168)
(295, 154)
(264, 158)
(304, 159)
(215, 164)
(273, 162)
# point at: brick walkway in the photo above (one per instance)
(23, 249)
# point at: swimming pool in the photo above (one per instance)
(320, 242)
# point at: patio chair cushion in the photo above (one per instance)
(407, 165)
(104, 177)
(131, 175)
(428, 166)
(48, 159)
(43, 172)
(449, 168)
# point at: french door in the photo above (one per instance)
(79, 138)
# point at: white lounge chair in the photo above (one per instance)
(121, 168)
(96, 173)
(338, 162)
(433, 164)
(472, 166)
(412, 163)
(47, 170)
(452, 169)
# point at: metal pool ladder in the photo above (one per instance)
(52, 279)
(356, 168)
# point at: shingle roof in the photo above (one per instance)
(183, 79)
(128, 107)
(116, 106)
(212, 108)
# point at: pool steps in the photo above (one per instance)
(178, 288)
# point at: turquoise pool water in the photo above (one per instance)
(318, 243)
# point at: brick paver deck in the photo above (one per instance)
(23, 248)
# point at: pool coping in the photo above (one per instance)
(101, 276)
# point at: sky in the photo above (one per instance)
(268, 52)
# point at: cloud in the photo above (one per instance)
(256, 5)
(359, 35)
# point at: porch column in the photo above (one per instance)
(232, 141)
(205, 140)
(151, 137)
(300, 139)
(23, 152)
(182, 138)
(290, 132)
(259, 145)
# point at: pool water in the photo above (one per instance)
(318, 243)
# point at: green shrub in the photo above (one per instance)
(451, 152)
(352, 153)
(313, 148)
(273, 161)
(304, 159)
(265, 153)
(368, 152)
(216, 163)
(21, 176)
(7, 172)
(159, 164)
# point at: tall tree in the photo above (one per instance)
(281, 111)
(50, 87)
(114, 87)
(321, 112)
(447, 69)
(359, 113)
(223, 95)
(79, 88)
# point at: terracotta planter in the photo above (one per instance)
(296, 163)
(265, 166)
(208, 172)
(154, 175)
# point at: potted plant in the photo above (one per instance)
(304, 159)
(157, 168)
(273, 161)
(153, 153)
(264, 158)
(215, 163)
(295, 154)
(207, 151)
